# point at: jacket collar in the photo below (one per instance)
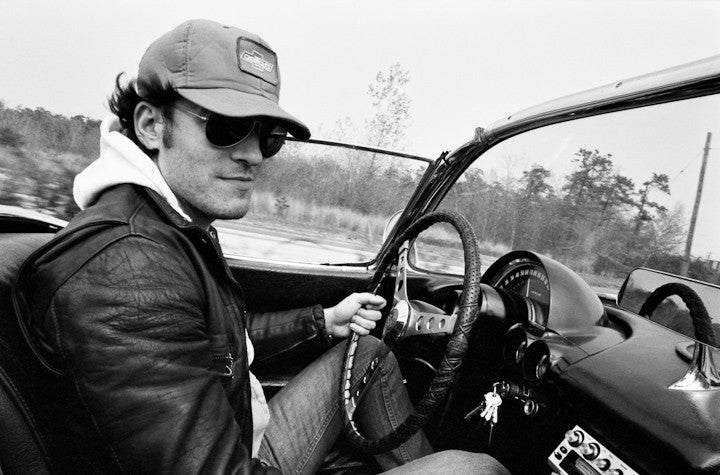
(169, 213)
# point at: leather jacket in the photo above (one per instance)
(137, 313)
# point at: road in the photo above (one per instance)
(282, 245)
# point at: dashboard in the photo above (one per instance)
(585, 384)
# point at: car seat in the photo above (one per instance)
(26, 426)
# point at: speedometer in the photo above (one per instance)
(527, 278)
(557, 297)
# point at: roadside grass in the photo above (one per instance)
(342, 224)
(298, 219)
(328, 221)
(39, 179)
(440, 245)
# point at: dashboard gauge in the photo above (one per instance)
(526, 278)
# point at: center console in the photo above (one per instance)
(579, 453)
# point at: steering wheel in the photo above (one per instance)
(411, 317)
(698, 313)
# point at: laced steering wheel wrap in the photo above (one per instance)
(408, 318)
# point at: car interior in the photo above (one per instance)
(590, 381)
(598, 389)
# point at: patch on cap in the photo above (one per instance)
(257, 60)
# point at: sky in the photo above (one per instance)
(470, 62)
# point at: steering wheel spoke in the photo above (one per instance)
(413, 317)
(401, 277)
(426, 319)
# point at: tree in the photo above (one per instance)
(392, 107)
(594, 174)
(535, 183)
(659, 182)
(666, 236)
(617, 192)
(10, 138)
(384, 130)
(534, 189)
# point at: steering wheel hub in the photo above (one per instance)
(396, 323)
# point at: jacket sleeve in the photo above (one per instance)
(273, 333)
(131, 335)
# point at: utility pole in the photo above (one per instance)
(696, 208)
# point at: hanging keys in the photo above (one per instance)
(490, 412)
(488, 409)
(492, 405)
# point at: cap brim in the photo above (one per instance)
(232, 103)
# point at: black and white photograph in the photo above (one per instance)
(341, 237)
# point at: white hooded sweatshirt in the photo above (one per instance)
(120, 162)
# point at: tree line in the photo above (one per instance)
(597, 220)
(40, 154)
(40, 129)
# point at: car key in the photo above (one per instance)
(492, 404)
(472, 413)
(490, 413)
(491, 401)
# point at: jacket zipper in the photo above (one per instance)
(228, 358)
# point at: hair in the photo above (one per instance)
(125, 99)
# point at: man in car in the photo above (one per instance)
(135, 306)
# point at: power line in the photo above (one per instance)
(692, 160)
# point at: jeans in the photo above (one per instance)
(305, 420)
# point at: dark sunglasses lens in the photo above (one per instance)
(226, 131)
(272, 139)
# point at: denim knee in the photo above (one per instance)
(460, 461)
(453, 461)
(370, 345)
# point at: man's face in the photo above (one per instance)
(210, 182)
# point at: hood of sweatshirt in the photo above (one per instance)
(120, 162)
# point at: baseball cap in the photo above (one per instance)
(224, 69)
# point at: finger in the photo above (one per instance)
(358, 329)
(373, 307)
(367, 324)
(369, 314)
(368, 299)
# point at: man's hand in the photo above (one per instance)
(356, 312)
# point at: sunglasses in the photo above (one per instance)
(225, 132)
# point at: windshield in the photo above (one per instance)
(319, 203)
(604, 194)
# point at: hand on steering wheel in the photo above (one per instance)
(357, 313)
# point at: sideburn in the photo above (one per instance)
(168, 136)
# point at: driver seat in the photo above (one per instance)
(26, 427)
(30, 437)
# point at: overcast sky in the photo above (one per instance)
(470, 61)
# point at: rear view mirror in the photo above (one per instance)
(684, 305)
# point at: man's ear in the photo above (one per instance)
(149, 125)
